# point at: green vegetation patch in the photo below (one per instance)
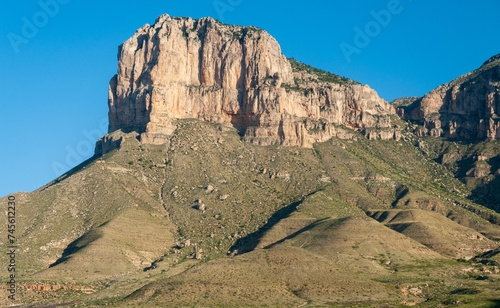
(323, 76)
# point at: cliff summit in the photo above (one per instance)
(184, 68)
(466, 108)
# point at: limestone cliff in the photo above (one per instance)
(466, 108)
(184, 68)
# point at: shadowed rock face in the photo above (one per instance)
(466, 108)
(184, 68)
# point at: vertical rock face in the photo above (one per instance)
(184, 68)
(466, 108)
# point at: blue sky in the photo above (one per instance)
(54, 75)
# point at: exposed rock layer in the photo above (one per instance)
(184, 68)
(466, 108)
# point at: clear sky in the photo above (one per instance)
(56, 60)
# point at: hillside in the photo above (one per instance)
(137, 209)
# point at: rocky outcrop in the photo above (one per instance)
(109, 142)
(184, 68)
(56, 287)
(466, 108)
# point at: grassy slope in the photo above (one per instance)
(461, 159)
(442, 235)
(323, 76)
(266, 197)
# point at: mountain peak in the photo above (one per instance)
(236, 75)
(465, 108)
(492, 59)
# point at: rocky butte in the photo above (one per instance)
(184, 68)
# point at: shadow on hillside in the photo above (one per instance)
(250, 242)
(488, 195)
(307, 228)
(464, 166)
(77, 245)
(493, 303)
